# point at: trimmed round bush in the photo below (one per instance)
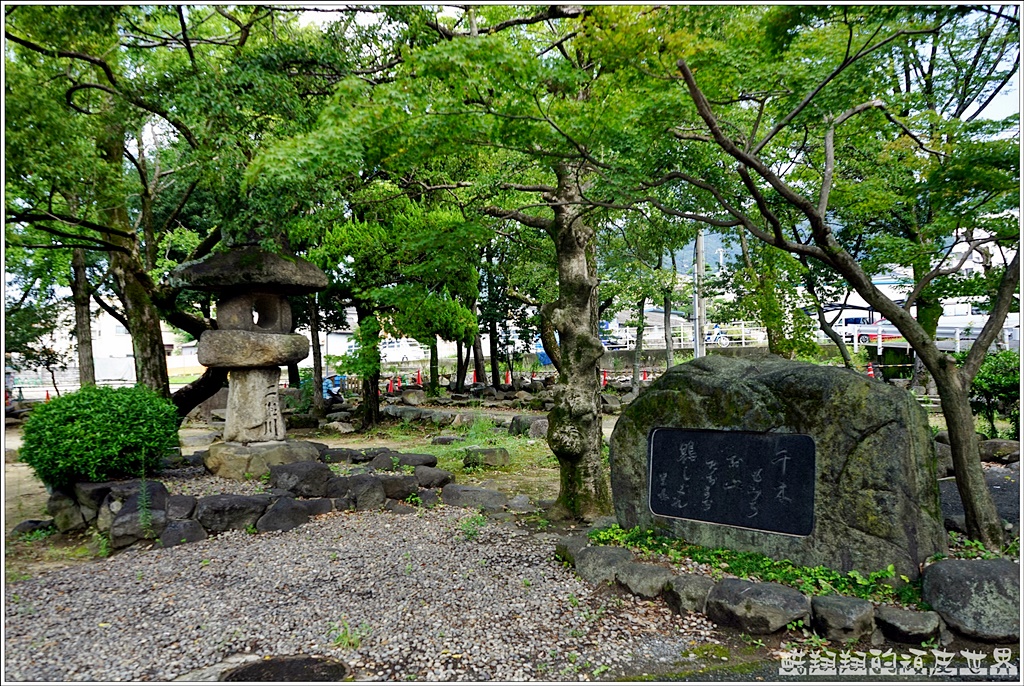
(99, 434)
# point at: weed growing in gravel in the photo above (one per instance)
(37, 535)
(470, 527)
(251, 529)
(145, 509)
(818, 580)
(13, 576)
(344, 636)
(102, 542)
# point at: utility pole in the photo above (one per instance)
(698, 301)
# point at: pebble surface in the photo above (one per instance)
(395, 596)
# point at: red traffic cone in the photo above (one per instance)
(604, 377)
(391, 385)
(508, 377)
(398, 383)
(871, 370)
(419, 377)
(474, 376)
(47, 396)
(645, 375)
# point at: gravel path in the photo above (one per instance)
(415, 598)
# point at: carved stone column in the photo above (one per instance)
(252, 341)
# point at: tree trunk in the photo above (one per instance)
(461, 367)
(143, 324)
(435, 375)
(478, 360)
(549, 342)
(83, 321)
(133, 282)
(492, 327)
(982, 518)
(638, 348)
(371, 378)
(186, 398)
(574, 424)
(318, 365)
(669, 354)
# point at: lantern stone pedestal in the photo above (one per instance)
(252, 342)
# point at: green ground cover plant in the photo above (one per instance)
(818, 580)
(99, 434)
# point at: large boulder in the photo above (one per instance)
(142, 515)
(520, 424)
(600, 563)
(240, 462)
(688, 592)
(178, 532)
(305, 479)
(876, 497)
(399, 486)
(474, 497)
(907, 626)
(223, 512)
(977, 598)
(943, 460)
(839, 618)
(417, 460)
(361, 491)
(431, 477)
(66, 513)
(756, 608)
(999, 450)
(486, 457)
(283, 515)
(644, 580)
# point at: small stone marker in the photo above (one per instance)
(739, 478)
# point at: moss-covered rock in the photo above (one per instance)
(876, 499)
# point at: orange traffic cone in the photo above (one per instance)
(871, 370)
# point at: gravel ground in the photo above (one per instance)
(396, 596)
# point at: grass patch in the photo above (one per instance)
(532, 468)
(819, 580)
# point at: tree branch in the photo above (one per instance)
(26, 217)
(110, 310)
(530, 220)
(184, 37)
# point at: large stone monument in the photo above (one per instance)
(703, 455)
(252, 341)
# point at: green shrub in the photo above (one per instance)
(99, 434)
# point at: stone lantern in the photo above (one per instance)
(252, 341)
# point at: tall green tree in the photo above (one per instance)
(151, 115)
(795, 149)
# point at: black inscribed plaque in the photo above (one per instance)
(751, 480)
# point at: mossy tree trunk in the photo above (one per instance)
(574, 424)
(80, 294)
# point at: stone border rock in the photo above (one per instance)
(137, 510)
(764, 608)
